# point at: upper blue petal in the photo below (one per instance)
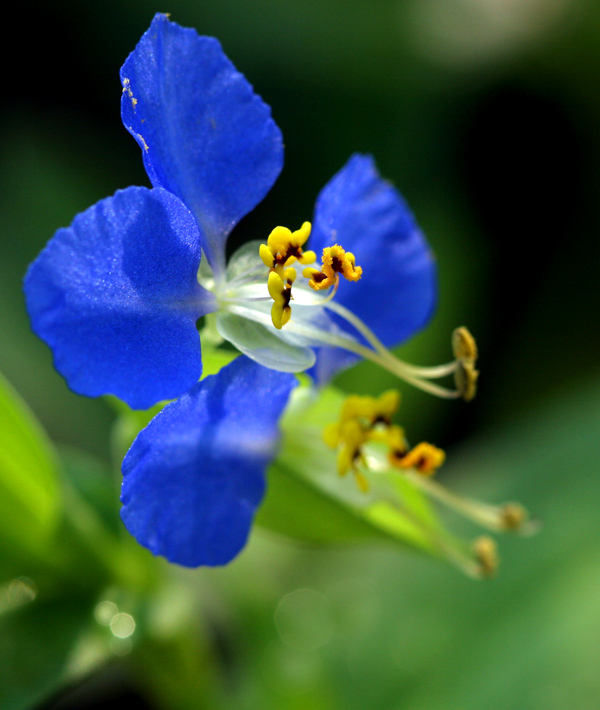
(116, 297)
(367, 216)
(195, 475)
(205, 135)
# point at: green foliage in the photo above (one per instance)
(29, 493)
(37, 641)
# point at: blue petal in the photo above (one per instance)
(116, 297)
(194, 476)
(205, 136)
(397, 293)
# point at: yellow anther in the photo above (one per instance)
(307, 257)
(363, 420)
(371, 409)
(512, 516)
(387, 405)
(425, 458)
(465, 352)
(331, 435)
(356, 406)
(266, 255)
(335, 261)
(284, 247)
(465, 379)
(350, 440)
(464, 345)
(487, 555)
(396, 440)
(280, 290)
(316, 278)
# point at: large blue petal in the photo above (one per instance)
(195, 475)
(205, 136)
(397, 293)
(116, 297)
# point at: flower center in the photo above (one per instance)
(282, 250)
(251, 314)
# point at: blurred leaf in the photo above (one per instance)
(29, 495)
(37, 638)
(93, 484)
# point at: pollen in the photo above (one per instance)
(425, 458)
(335, 261)
(284, 247)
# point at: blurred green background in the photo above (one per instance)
(486, 115)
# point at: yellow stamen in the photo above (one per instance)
(465, 379)
(512, 516)
(280, 291)
(365, 434)
(396, 440)
(363, 420)
(464, 345)
(485, 550)
(425, 458)
(465, 352)
(335, 261)
(284, 247)
(373, 409)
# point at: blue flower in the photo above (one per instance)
(117, 295)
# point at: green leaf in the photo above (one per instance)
(29, 494)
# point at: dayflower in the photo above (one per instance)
(118, 294)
